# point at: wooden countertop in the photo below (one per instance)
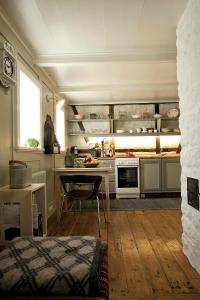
(145, 155)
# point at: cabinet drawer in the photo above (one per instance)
(107, 163)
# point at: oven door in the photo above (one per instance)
(127, 179)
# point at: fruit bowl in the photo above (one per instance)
(91, 165)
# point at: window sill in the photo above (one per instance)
(36, 150)
(29, 150)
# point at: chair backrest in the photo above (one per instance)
(82, 179)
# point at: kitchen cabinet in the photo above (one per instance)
(150, 175)
(171, 173)
(160, 175)
(109, 163)
(23, 212)
(134, 119)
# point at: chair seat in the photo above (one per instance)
(79, 195)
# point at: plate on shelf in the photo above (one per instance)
(173, 113)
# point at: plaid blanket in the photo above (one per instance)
(64, 266)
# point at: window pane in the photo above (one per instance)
(60, 126)
(29, 110)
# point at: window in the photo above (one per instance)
(29, 111)
(60, 124)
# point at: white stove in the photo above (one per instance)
(127, 177)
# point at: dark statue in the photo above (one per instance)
(50, 139)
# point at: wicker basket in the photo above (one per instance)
(20, 174)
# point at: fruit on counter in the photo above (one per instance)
(90, 160)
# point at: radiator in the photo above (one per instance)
(39, 177)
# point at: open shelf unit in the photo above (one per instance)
(112, 117)
(21, 210)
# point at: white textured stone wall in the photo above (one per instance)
(188, 70)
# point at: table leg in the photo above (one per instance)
(107, 196)
(57, 197)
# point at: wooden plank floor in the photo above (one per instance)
(146, 261)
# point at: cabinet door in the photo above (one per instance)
(109, 163)
(171, 173)
(150, 175)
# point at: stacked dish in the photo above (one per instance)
(136, 116)
(165, 130)
(157, 116)
(120, 131)
(78, 116)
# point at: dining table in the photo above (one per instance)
(98, 171)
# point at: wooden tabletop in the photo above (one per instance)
(98, 169)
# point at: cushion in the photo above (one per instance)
(71, 266)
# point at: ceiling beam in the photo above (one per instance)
(146, 54)
(110, 87)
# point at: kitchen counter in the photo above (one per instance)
(144, 155)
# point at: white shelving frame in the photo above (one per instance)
(23, 197)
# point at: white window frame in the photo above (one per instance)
(64, 124)
(36, 81)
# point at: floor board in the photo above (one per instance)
(146, 261)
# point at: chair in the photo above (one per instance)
(80, 194)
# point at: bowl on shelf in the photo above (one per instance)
(119, 131)
(91, 165)
(176, 130)
(157, 116)
(165, 130)
(136, 116)
(78, 116)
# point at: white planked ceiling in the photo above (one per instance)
(102, 50)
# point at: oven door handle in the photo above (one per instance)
(127, 166)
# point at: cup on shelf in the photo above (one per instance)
(144, 130)
(138, 130)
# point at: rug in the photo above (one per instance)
(134, 204)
